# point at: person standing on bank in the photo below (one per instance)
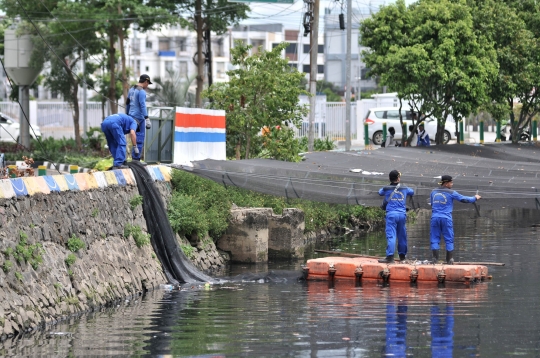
(442, 204)
(395, 196)
(136, 108)
(423, 137)
(115, 127)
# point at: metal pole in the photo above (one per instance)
(348, 79)
(85, 112)
(24, 117)
(481, 132)
(314, 50)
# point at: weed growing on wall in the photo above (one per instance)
(19, 276)
(74, 244)
(141, 239)
(70, 259)
(95, 212)
(189, 251)
(135, 201)
(24, 252)
(7, 266)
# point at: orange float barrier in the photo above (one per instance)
(361, 268)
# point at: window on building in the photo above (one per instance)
(291, 48)
(307, 48)
(164, 44)
(293, 65)
(320, 68)
(218, 48)
(220, 70)
(181, 43)
(146, 68)
(274, 44)
(148, 45)
(183, 67)
(321, 48)
(306, 68)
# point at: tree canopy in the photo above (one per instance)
(263, 90)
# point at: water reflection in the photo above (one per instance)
(396, 329)
(442, 331)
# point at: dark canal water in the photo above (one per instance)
(497, 318)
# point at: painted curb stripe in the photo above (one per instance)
(91, 181)
(61, 181)
(6, 189)
(158, 174)
(80, 178)
(150, 171)
(51, 183)
(18, 187)
(100, 179)
(128, 175)
(111, 178)
(166, 172)
(42, 185)
(71, 182)
(120, 177)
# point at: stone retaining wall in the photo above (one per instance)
(41, 279)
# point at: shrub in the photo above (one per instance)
(188, 250)
(74, 244)
(138, 235)
(135, 201)
(279, 143)
(7, 266)
(70, 259)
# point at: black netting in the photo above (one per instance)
(505, 175)
(176, 266)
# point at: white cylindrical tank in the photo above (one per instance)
(17, 52)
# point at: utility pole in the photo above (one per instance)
(348, 79)
(84, 113)
(313, 69)
(199, 55)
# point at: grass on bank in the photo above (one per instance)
(199, 206)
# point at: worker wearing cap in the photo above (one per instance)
(395, 196)
(442, 204)
(115, 127)
(423, 137)
(136, 108)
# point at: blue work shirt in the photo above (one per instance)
(442, 202)
(136, 104)
(397, 201)
(124, 121)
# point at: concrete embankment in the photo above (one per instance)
(65, 250)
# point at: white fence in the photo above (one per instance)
(331, 123)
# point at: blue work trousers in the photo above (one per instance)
(444, 227)
(140, 139)
(116, 140)
(395, 228)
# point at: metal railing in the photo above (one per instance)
(332, 123)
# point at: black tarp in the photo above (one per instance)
(176, 266)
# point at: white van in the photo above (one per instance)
(377, 116)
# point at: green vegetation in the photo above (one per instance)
(7, 266)
(19, 276)
(262, 91)
(319, 145)
(70, 259)
(201, 206)
(141, 239)
(95, 212)
(25, 252)
(189, 251)
(74, 244)
(135, 201)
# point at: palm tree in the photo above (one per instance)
(173, 91)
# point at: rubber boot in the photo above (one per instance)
(449, 257)
(435, 256)
(387, 260)
(402, 257)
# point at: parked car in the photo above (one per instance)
(10, 129)
(376, 116)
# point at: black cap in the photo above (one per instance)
(394, 175)
(145, 78)
(445, 179)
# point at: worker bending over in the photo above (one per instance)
(115, 127)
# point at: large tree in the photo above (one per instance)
(262, 91)
(430, 54)
(204, 16)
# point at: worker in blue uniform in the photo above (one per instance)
(395, 196)
(136, 108)
(115, 127)
(442, 204)
(423, 137)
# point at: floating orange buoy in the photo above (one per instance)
(361, 268)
